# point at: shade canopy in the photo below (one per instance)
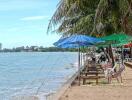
(119, 44)
(130, 38)
(73, 45)
(59, 41)
(75, 41)
(128, 45)
(118, 39)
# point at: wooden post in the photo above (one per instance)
(97, 77)
(111, 55)
(130, 51)
(84, 81)
(122, 54)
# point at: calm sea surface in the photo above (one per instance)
(34, 73)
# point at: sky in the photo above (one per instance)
(25, 22)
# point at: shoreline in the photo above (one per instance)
(67, 84)
(53, 95)
(50, 96)
(64, 87)
(63, 92)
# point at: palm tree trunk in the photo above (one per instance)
(131, 52)
(111, 55)
(130, 5)
(125, 18)
(98, 10)
(122, 54)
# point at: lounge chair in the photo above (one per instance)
(112, 74)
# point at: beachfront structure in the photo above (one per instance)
(0, 46)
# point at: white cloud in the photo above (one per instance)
(34, 18)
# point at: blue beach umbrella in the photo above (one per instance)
(80, 40)
(76, 41)
(59, 41)
(70, 45)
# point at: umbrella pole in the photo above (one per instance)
(78, 58)
(122, 54)
(79, 65)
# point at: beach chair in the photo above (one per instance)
(112, 74)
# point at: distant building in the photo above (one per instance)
(40, 49)
(34, 48)
(19, 49)
(0, 46)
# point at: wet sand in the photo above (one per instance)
(113, 91)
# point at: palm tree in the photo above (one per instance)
(74, 16)
(92, 17)
(117, 12)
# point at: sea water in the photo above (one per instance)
(32, 73)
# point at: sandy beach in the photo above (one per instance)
(114, 91)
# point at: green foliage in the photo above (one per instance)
(92, 17)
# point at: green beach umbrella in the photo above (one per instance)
(115, 40)
(120, 44)
(130, 38)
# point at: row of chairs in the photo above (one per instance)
(93, 71)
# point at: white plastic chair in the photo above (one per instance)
(112, 74)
